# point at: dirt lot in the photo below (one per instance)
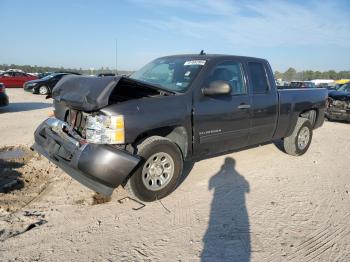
(255, 205)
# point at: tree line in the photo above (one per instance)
(292, 74)
(289, 75)
(43, 69)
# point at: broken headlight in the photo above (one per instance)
(101, 129)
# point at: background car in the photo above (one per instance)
(15, 78)
(330, 88)
(4, 99)
(44, 85)
(302, 84)
(344, 88)
(105, 74)
(42, 75)
(338, 104)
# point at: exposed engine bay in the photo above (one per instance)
(128, 89)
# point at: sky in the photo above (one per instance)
(302, 34)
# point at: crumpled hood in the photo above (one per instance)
(339, 95)
(85, 93)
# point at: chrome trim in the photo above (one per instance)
(59, 128)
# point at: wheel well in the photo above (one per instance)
(309, 115)
(176, 134)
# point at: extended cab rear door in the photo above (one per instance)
(222, 122)
(264, 101)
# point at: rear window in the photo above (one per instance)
(258, 77)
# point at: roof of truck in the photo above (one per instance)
(212, 56)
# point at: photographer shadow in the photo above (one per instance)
(228, 234)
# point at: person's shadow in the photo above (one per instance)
(228, 235)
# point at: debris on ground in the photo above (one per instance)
(100, 199)
(14, 224)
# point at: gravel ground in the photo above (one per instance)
(255, 205)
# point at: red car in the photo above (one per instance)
(15, 79)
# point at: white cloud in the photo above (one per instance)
(263, 23)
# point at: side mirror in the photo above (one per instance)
(217, 88)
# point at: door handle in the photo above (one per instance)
(243, 106)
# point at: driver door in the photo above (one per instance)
(222, 122)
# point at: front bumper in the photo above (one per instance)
(338, 114)
(29, 89)
(101, 168)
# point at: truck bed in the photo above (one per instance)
(293, 102)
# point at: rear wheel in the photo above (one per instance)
(311, 115)
(43, 90)
(159, 172)
(299, 141)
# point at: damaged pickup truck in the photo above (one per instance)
(137, 131)
(338, 104)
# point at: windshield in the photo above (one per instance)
(174, 74)
(345, 88)
(48, 77)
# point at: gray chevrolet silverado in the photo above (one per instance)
(137, 131)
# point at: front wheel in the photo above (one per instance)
(299, 141)
(159, 171)
(43, 90)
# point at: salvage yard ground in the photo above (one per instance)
(255, 205)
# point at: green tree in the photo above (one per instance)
(290, 74)
(278, 75)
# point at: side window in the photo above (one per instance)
(231, 72)
(258, 78)
(18, 74)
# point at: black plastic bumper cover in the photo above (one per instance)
(99, 167)
(338, 114)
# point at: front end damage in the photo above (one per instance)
(338, 109)
(83, 141)
(99, 167)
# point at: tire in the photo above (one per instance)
(43, 90)
(311, 115)
(159, 171)
(299, 141)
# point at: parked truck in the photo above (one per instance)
(137, 130)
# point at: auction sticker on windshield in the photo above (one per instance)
(195, 62)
